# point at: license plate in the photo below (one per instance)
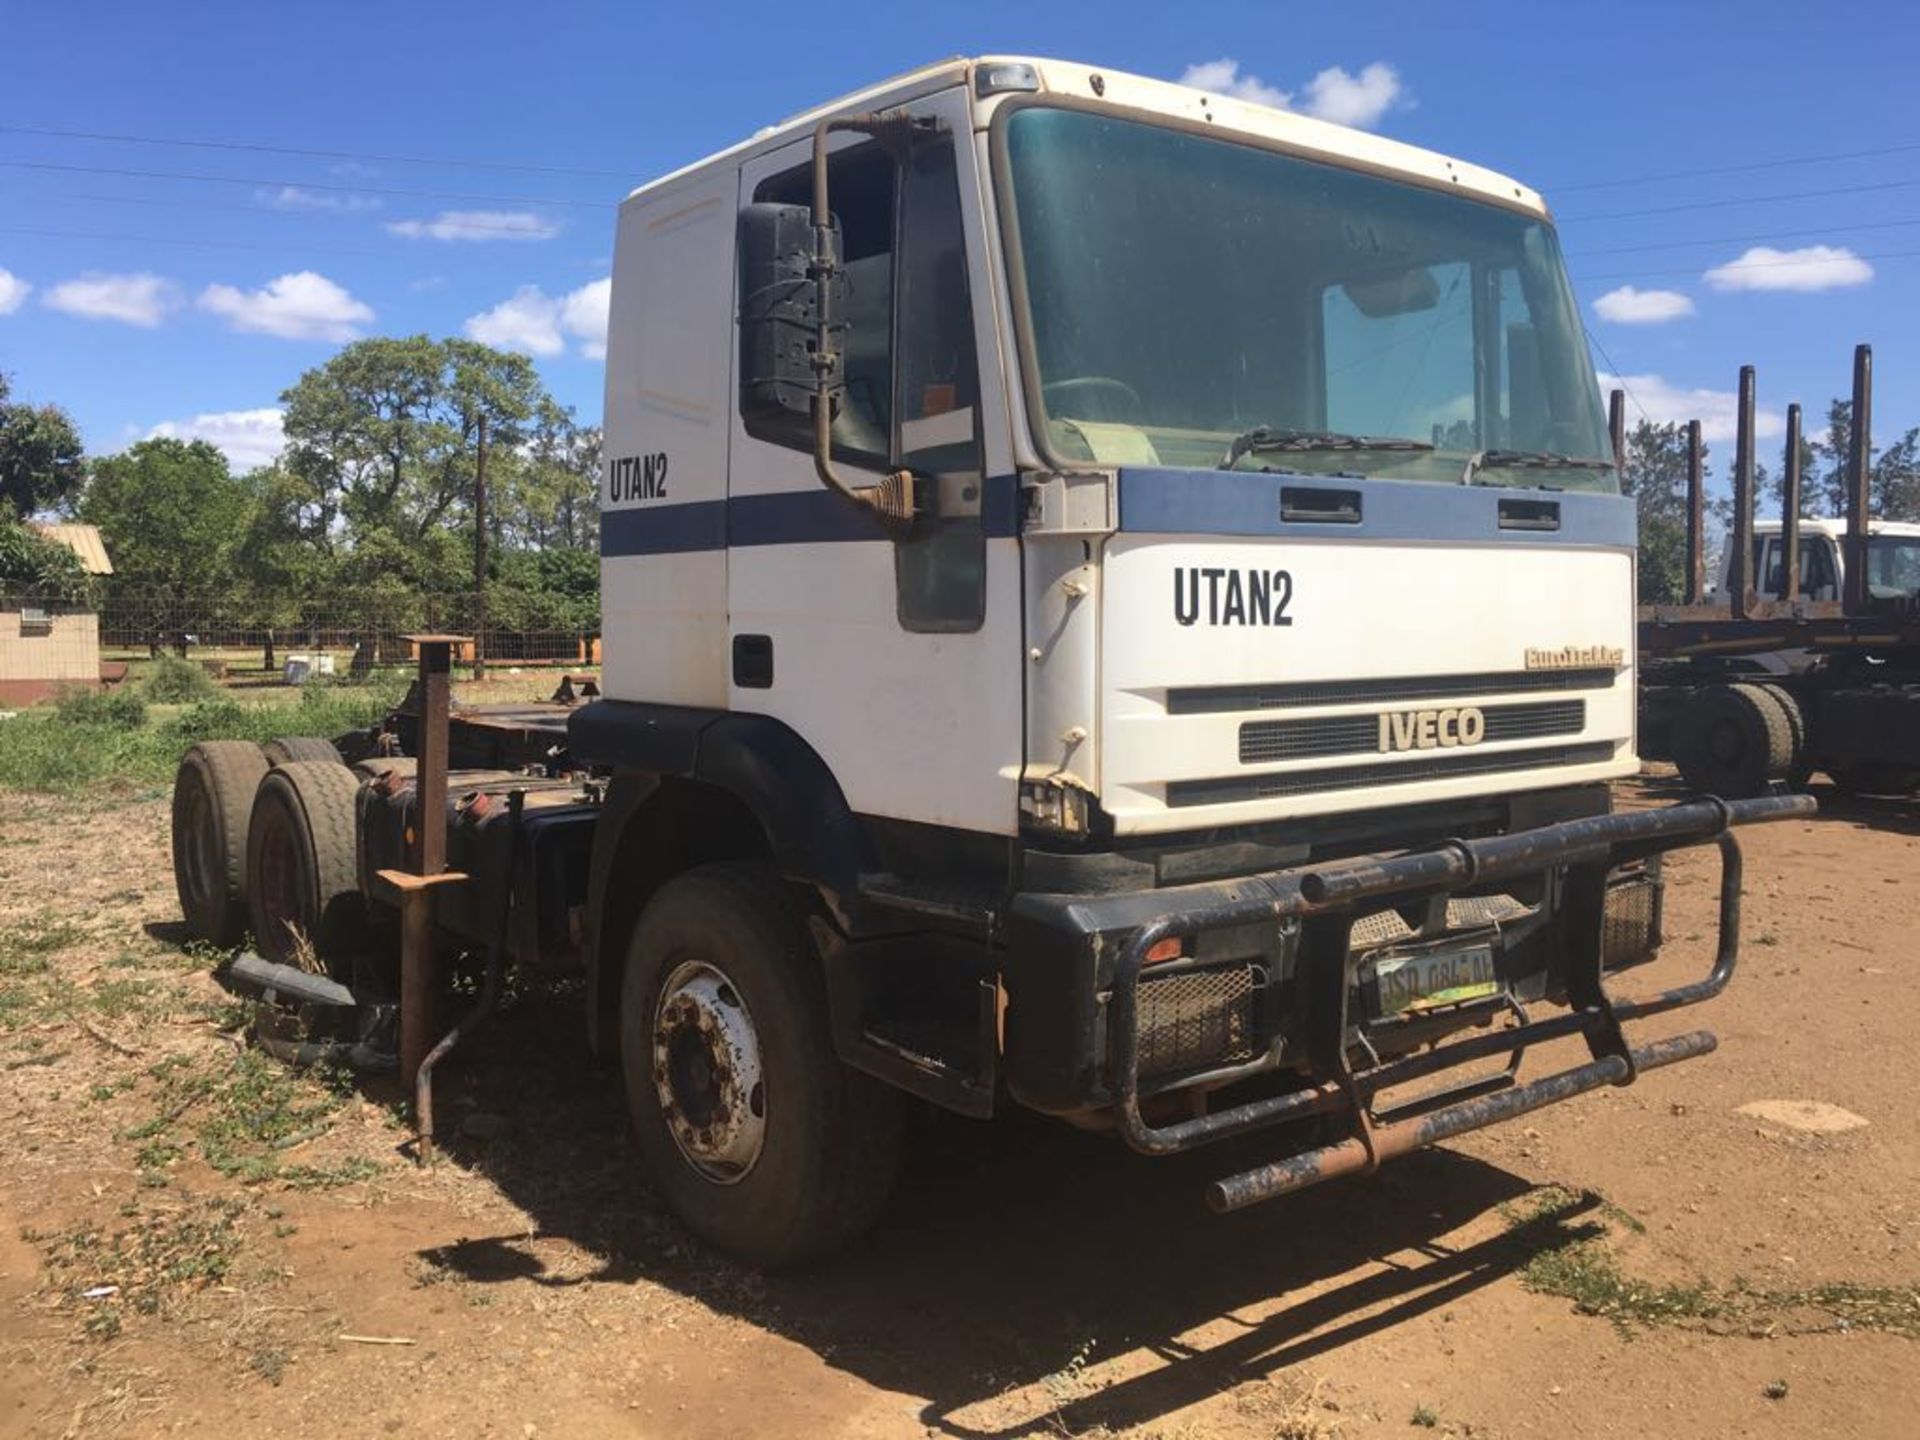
(1408, 984)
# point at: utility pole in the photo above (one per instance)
(480, 553)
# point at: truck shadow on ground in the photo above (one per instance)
(1009, 1249)
(1895, 814)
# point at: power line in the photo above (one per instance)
(1738, 266)
(43, 165)
(258, 149)
(1746, 239)
(1749, 200)
(1742, 169)
(269, 209)
(1620, 378)
(190, 243)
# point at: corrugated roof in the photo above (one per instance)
(84, 541)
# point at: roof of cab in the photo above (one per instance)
(1836, 529)
(1319, 139)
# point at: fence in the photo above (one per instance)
(342, 631)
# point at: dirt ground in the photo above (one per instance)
(193, 1241)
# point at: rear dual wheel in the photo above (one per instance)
(213, 800)
(1734, 740)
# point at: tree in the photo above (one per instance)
(32, 565)
(171, 512)
(40, 455)
(549, 499)
(1893, 472)
(1655, 475)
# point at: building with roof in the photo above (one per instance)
(47, 646)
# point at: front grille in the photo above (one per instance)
(1214, 699)
(1382, 772)
(1196, 1019)
(1262, 741)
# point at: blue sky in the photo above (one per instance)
(142, 300)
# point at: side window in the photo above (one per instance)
(860, 183)
(942, 563)
(912, 396)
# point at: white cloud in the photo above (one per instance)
(1810, 268)
(13, 292)
(138, 299)
(478, 225)
(1359, 100)
(248, 438)
(584, 314)
(300, 306)
(1223, 77)
(1628, 306)
(292, 197)
(1668, 404)
(1333, 94)
(537, 323)
(529, 320)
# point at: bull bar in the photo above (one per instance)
(1327, 899)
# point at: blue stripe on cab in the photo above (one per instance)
(1239, 502)
(788, 517)
(664, 529)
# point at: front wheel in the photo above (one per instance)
(751, 1128)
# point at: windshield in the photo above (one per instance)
(1186, 293)
(1893, 565)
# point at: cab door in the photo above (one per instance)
(898, 660)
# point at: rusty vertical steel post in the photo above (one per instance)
(427, 849)
(1696, 515)
(417, 980)
(1790, 510)
(430, 770)
(1740, 561)
(1617, 431)
(1859, 474)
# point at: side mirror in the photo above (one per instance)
(782, 370)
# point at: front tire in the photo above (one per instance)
(751, 1128)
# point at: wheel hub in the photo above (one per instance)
(707, 1073)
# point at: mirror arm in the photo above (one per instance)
(892, 499)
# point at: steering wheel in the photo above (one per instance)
(1094, 385)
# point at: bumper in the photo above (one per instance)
(1062, 1053)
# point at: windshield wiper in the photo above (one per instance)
(1526, 460)
(1271, 439)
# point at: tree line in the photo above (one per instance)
(1654, 473)
(411, 466)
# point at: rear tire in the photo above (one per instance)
(289, 748)
(721, 988)
(212, 806)
(1732, 741)
(300, 864)
(1800, 759)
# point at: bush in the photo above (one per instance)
(174, 681)
(217, 719)
(112, 709)
(42, 748)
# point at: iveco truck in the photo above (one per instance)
(1116, 602)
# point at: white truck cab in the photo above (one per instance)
(1116, 600)
(1893, 560)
